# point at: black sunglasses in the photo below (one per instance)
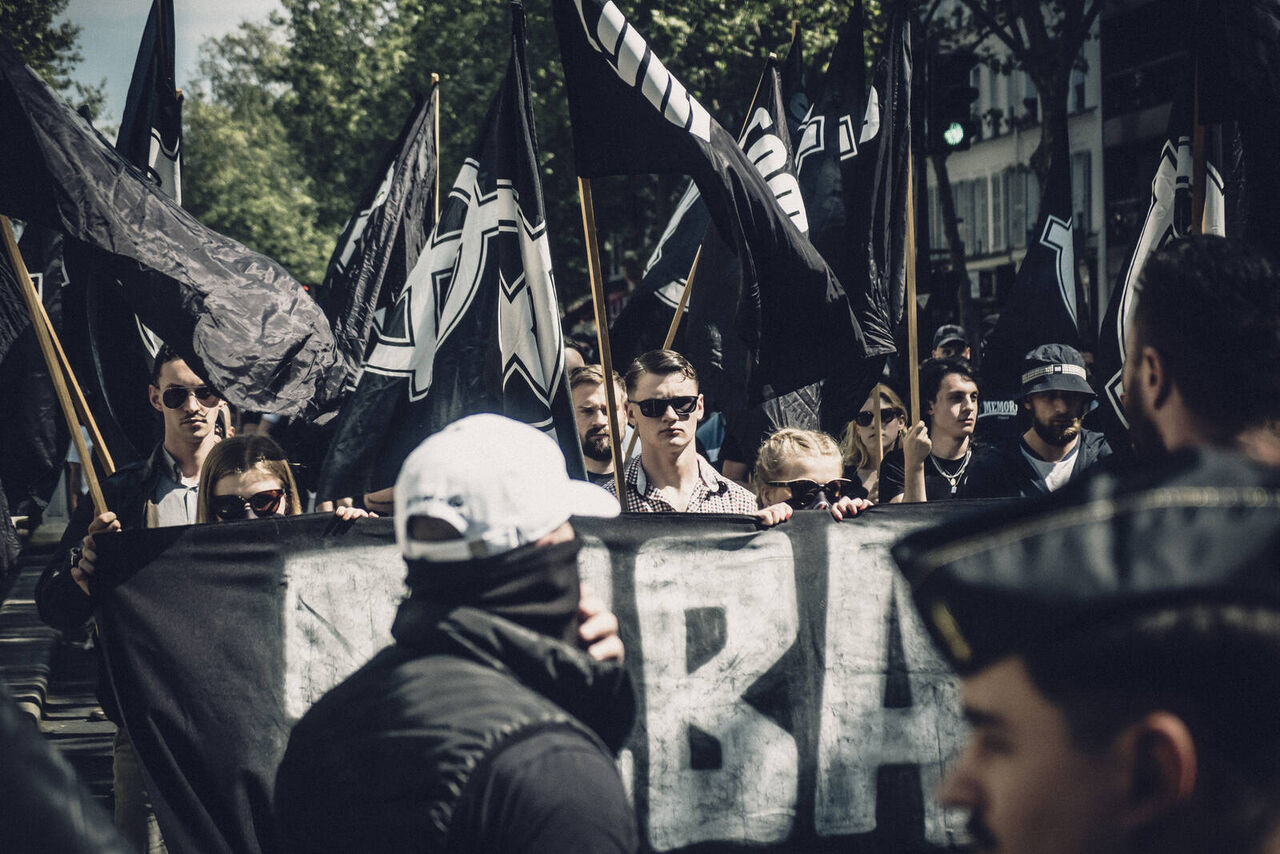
(175, 397)
(654, 407)
(865, 419)
(803, 491)
(225, 508)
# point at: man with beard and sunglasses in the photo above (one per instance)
(590, 412)
(669, 475)
(1202, 360)
(1055, 448)
(158, 491)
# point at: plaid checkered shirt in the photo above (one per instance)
(713, 493)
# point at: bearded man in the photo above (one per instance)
(1055, 448)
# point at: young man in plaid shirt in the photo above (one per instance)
(669, 475)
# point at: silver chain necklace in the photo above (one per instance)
(953, 479)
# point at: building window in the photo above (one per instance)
(981, 232)
(1081, 191)
(1076, 100)
(963, 193)
(999, 235)
(1015, 189)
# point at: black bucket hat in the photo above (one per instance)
(1054, 367)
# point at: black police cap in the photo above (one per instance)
(1200, 527)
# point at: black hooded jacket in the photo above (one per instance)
(472, 733)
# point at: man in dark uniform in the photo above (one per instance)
(485, 727)
(1055, 448)
(1119, 649)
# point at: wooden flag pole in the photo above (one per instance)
(602, 331)
(913, 334)
(77, 397)
(435, 81)
(50, 358)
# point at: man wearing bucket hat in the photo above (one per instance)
(1118, 644)
(484, 727)
(1055, 448)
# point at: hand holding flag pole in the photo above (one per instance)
(60, 372)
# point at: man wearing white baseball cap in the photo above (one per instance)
(484, 727)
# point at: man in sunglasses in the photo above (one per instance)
(669, 475)
(158, 491)
(1055, 448)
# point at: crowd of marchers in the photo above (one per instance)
(1117, 636)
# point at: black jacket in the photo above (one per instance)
(1003, 471)
(429, 747)
(60, 601)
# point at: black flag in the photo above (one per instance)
(852, 157)
(112, 350)
(721, 356)
(383, 238)
(795, 88)
(476, 328)
(237, 317)
(1041, 309)
(643, 322)
(1168, 219)
(33, 434)
(631, 116)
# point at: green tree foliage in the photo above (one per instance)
(242, 175)
(340, 78)
(50, 47)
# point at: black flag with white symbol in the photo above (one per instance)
(630, 116)
(725, 324)
(383, 238)
(237, 317)
(477, 326)
(643, 322)
(852, 155)
(1041, 309)
(1168, 219)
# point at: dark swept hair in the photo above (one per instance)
(660, 362)
(934, 371)
(1216, 667)
(164, 356)
(1211, 307)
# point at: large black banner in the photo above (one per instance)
(789, 698)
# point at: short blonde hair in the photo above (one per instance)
(852, 451)
(785, 445)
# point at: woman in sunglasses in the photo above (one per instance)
(248, 477)
(862, 450)
(801, 470)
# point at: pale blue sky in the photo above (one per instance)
(111, 30)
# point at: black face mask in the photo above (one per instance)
(533, 586)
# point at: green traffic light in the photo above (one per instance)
(954, 134)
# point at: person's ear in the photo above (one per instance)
(631, 415)
(697, 412)
(1153, 375)
(153, 394)
(1163, 767)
